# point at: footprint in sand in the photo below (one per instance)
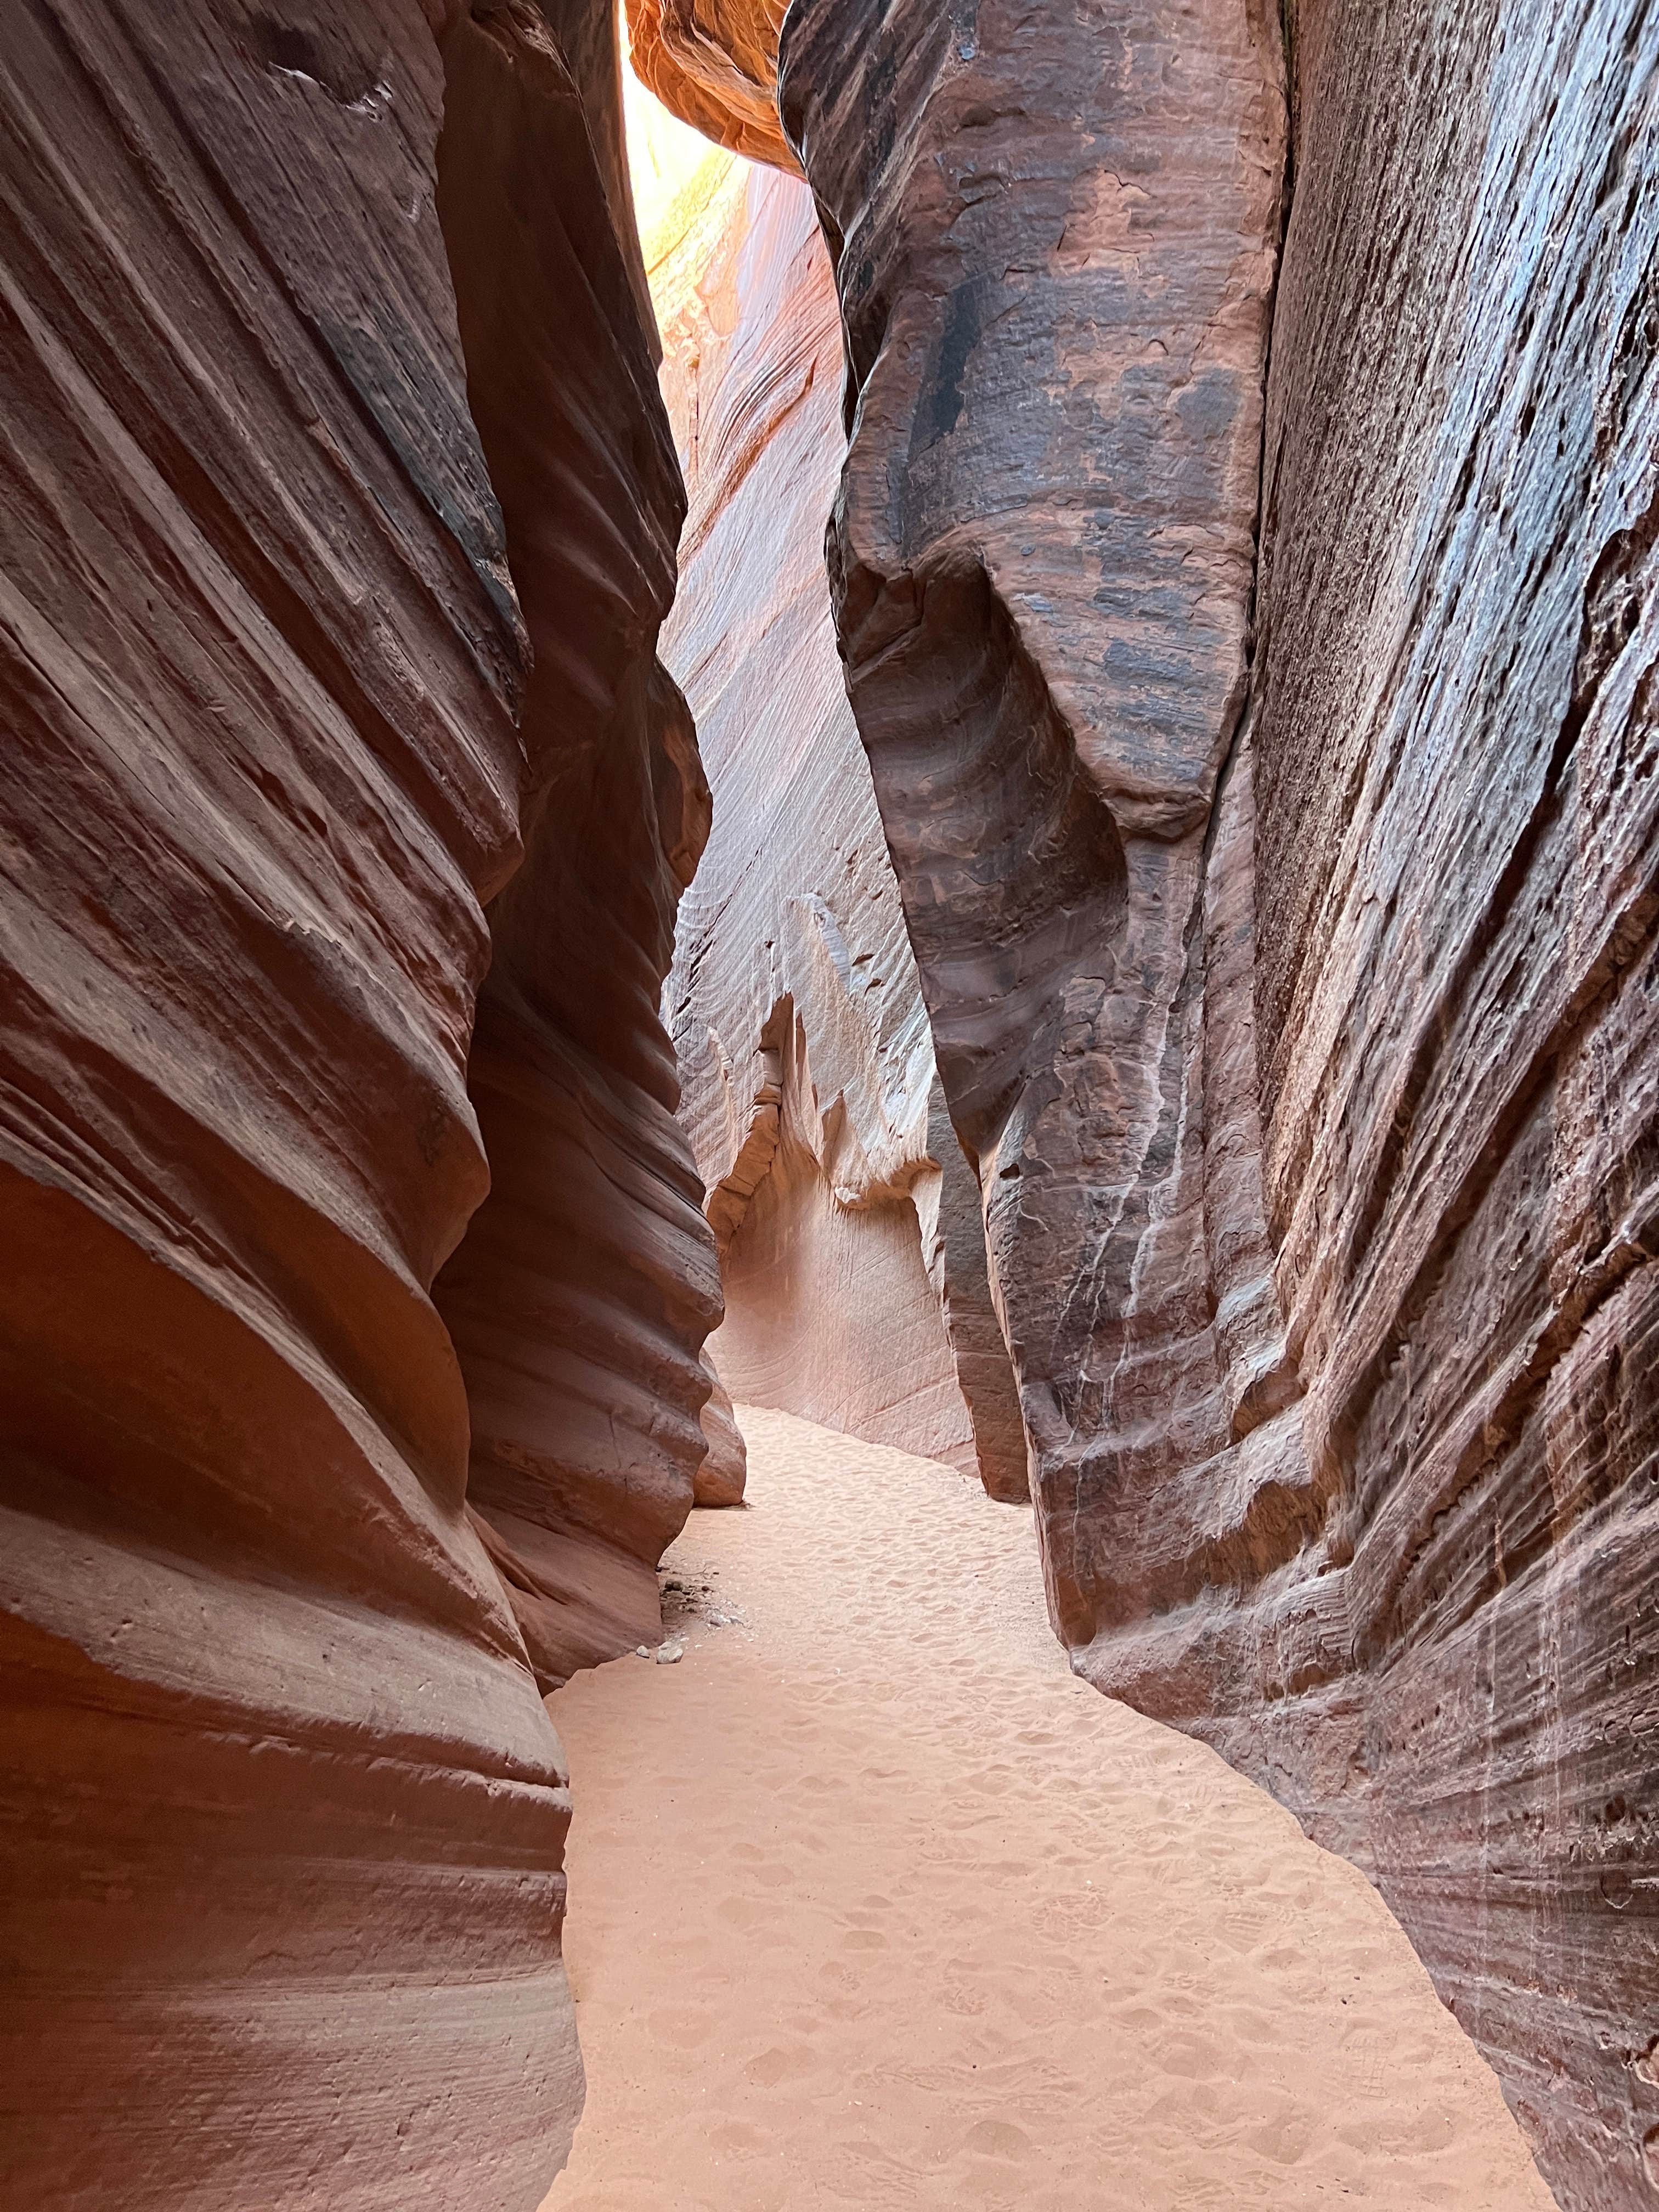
(774, 2066)
(998, 2139)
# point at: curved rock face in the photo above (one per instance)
(1454, 991)
(725, 1469)
(794, 1001)
(1056, 247)
(283, 1814)
(586, 1283)
(1296, 1010)
(713, 62)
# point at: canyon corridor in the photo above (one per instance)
(949, 729)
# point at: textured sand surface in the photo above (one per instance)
(874, 1904)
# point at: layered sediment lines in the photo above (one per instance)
(1287, 935)
(714, 62)
(852, 1251)
(1056, 254)
(284, 1815)
(581, 1295)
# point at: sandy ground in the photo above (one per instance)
(874, 1904)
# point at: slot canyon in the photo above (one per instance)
(830, 957)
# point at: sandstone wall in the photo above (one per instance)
(714, 62)
(283, 1816)
(794, 1001)
(1288, 936)
(1455, 705)
(586, 1285)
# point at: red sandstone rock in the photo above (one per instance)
(953, 1246)
(720, 1479)
(1324, 1257)
(714, 62)
(794, 1002)
(581, 1296)
(1056, 251)
(1460, 627)
(283, 1816)
(1306, 1059)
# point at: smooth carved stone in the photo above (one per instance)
(1458, 881)
(725, 1469)
(953, 1247)
(829, 1306)
(283, 1816)
(1395, 1153)
(1055, 251)
(855, 1292)
(579, 1299)
(713, 62)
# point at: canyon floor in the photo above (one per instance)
(874, 1904)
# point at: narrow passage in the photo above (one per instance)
(874, 1904)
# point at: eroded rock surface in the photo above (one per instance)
(1459, 1070)
(284, 1815)
(1294, 1001)
(794, 1001)
(720, 1479)
(1055, 244)
(586, 1285)
(714, 62)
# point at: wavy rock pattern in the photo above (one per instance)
(714, 62)
(1455, 993)
(1295, 1004)
(794, 1001)
(283, 1814)
(725, 1469)
(1055, 257)
(586, 1285)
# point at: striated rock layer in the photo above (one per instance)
(1289, 937)
(853, 1270)
(1056, 253)
(715, 63)
(1455, 992)
(586, 1285)
(721, 1477)
(283, 1813)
